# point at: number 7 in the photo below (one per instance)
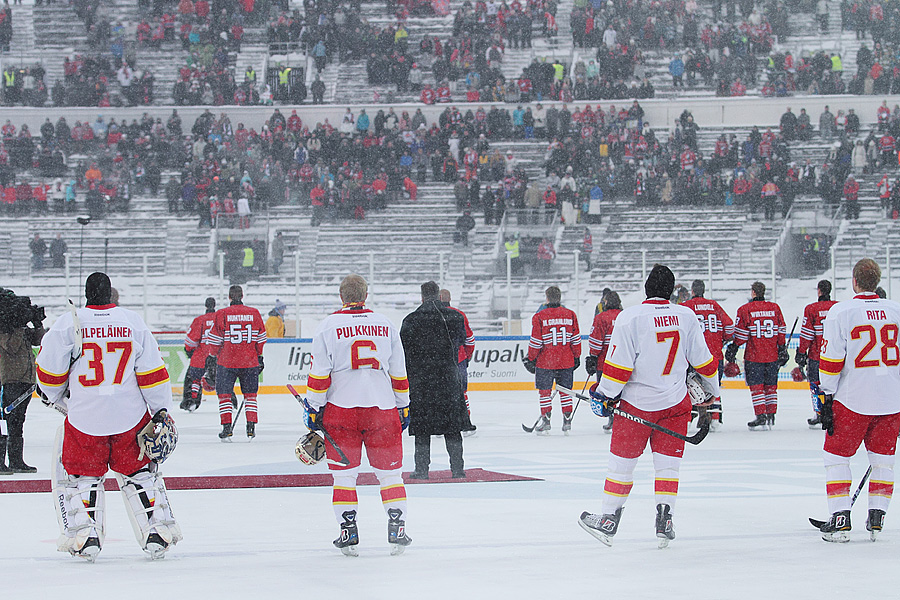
(675, 337)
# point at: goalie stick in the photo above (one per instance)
(818, 524)
(25, 396)
(690, 439)
(344, 462)
(531, 429)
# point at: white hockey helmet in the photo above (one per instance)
(310, 449)
(696, 390)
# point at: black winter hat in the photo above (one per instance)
(98, 289)
(660, 283)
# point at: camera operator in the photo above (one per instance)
(20, 329)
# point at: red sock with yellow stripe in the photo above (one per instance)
(343, 494)
(619, 481)
(881, 484)
(666, 483)
(838, 480)
(393, 492)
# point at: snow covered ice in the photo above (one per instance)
(740, 519)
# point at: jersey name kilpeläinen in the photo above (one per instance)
(860, 356)
(119, 376)
(651, 348)
(358, 362)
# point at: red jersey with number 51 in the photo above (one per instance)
(760, 325)
(237, 336)
(555, 339)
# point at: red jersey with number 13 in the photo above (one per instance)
(555, 339)
(760, 324)
(237, 336)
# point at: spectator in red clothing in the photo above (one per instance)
(738, 88)
(851, 198)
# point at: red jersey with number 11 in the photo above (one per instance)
(555, 339)
(760, 324)
(237, 336)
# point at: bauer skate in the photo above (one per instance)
(837, 529)
(664, 530)
(348, 541)
(602, 527)
(397, 538)
(874, 523)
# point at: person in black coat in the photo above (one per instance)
(431, 337)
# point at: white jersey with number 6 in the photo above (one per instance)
(118, 378)
(651, 347)
(358, 362)
(860, 356)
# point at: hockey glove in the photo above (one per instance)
(590, 365)
(262, 364)
(731, 352)
(577, 362)
(783, 356)
(801, 359)
(313, 417)
(190, 352)
(601, 404)
(530, 365)
(825, 409)
(404, 417)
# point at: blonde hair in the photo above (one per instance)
(354, 288)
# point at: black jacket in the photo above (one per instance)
(431, 339)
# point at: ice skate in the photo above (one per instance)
(759, 423)
(567, 422)
(227, 432)
(251, 430)
(664, 530)
(602, 527)
(608, 427)
(156, 546)
(815, 422)
(770, 418)
(543, 428)
(874, 523)
(90, 550)
(348, 541)
(837, 528)
(397, 538)
(186, 404)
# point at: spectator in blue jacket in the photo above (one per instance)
(676, 69)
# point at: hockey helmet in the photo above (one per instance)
(157, 440)
(696, 389)
(310, 449)
(797, 374)
(732, 369)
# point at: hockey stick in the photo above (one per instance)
(533, 427)
(344, 462)
(25, 396)
(818, 524)
(690, 439)
(578, 399)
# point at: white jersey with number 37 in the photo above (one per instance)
(860, 354)
(358, 362)
(651, 347)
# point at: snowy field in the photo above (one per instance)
(741, 520)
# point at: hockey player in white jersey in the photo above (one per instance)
(859, 382)
(359, 394)
(651, 349)
(101, 365)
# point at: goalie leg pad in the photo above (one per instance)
(79, 503)
(149, 511)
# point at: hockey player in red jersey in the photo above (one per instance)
(859, 400)
(466, 351)
(598, 340)
(718, 328)
(760, 325)
(103, 369)
(196, 346)
(357, 385)
(807, 356)
(236, 340)
(652, 346)
(554, 352)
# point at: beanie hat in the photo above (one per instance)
(97, 289)
(660, 283)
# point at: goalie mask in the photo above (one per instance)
(310, 449)
(696, 389)
(157, 440)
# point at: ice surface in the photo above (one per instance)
(741, 520)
